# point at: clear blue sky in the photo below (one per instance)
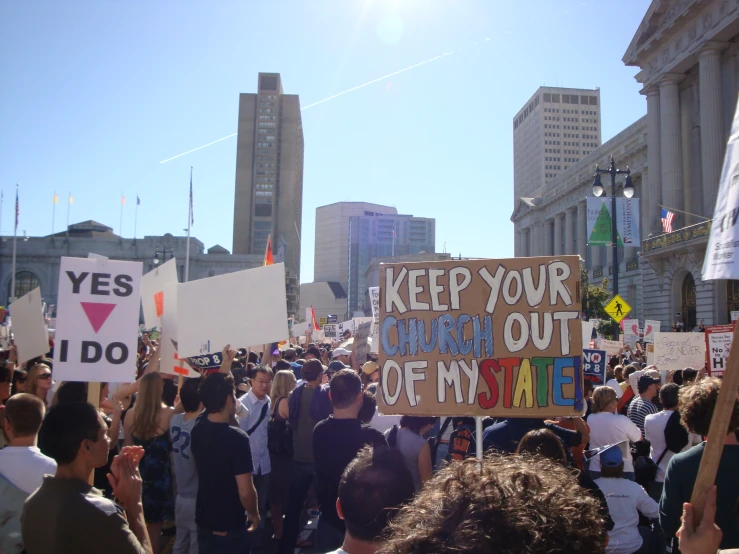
(96, 93)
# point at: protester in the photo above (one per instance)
(38, 381)
(626, 500)
(149, 428)
(496, 505)
(312, 354)
(607, 427)
(696, 406)
(381, 422)
(706, 537)
(370, 373)
(224, 465)
(611, 379)
(186, 475)
(505, 435)
(642, 405)
(303, 468)
(6, 379)
(255, 424)
(336, 441)
(409, 440)
(369, 406)
(280, 443)
(21, 462)
(372, 489)
(290, 356)
(341, 355)
(542, 442)
(66, 514)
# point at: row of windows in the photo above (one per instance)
(590, 144)
(267, 124)
(551, 118)
(551, 175)
(552, 150)
(571, 160)
(265, 144)
(267, 118)
(570, 135)
(552, 167)
(267, 110)
(526, 112)
(552, 159)
(571, 99)
(261, 235)
(263, 187)
(551, 110)
(263, 193)
(571, 152)
(591, 137)
(572, 143)
(264, 151)
(269, 97)
(262, 224)
(266, 158)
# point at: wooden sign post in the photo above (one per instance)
(717, 432)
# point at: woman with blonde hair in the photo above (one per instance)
(280, 446)
(148, 426)
(607, 427)
(38, 381)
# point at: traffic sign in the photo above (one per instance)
(617, 308)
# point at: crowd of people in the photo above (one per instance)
(242, 457)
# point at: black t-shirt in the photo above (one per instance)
(221, 452)
(336, 442)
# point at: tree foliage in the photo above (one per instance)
(594, 299)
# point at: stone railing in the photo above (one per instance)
(686, 234)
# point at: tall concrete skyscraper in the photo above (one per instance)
(269, 177)
(552, 131)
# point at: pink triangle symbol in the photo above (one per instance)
(97, 313)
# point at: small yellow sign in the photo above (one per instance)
(322, 321)
(617, 308)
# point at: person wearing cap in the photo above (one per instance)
(626, 499)
(341, 355)
(642, 406)
(370, 373)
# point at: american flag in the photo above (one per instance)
(395, 236)
(667, 217)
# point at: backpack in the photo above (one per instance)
(676, 436)
(462, 443)
(279, 435)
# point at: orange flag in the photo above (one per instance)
(313, 317)
(268, 257)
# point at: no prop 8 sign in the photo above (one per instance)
(97, 320)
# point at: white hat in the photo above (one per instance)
(340, 352)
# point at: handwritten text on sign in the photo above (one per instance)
(679, 350)
(494, 337)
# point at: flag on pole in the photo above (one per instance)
(123, 200)
(395, 236)
(313, 319)
(667, 217)
(192, 212)
(56, 199)
(17, 209)
(138, 200)
(71, 200)
(268, 257)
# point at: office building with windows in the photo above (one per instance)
(269, 177)
(383, 236)
(554, 130)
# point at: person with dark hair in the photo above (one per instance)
(290, 355)
(642, 405)
(689, 375)
(185, 472)
(66, 514)
(302, 472)
(369, 405)
(505, 435)
(416, 451)
(481, 505)
(336, 441)
(6, 379)
(666, 436)
(19, 381)
(372, 489)
(21, 462)
(696, 405)
(626, 500)
(224, 466)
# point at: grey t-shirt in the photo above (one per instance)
(410, 444)
(186, 474)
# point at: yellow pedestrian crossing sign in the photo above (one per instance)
(617, 308)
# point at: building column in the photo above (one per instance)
(712, 128)
(549, 236)
(582, 231)
(569, 231)
(525, 241)
(672, 169)
(558, 223)
(652, 190)
(532, 240)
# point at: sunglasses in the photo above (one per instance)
(45, 376)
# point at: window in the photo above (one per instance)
(25, 282)
(547, 97)
(262, 224)
(555, 98)
(593, 101)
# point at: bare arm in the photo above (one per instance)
(248, 497)
(424, 463)
(135, 516)
(114, 430)
(128, 389)
(582, 429)
(228, 357)
(284, 409)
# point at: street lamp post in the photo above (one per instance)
(628, 193)
(163, 251)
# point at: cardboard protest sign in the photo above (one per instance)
(361, 344)
(29, 330)
(612, 347)
(245, 307)
(153, 285)
(651, 326)
(481, 337)
(650, 354)
(718, 346)
(331, 331)
(679, 350)
(631, 331)
(594, 366)
(97, 320)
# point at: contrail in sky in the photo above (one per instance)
(347, 91)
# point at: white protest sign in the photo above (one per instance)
(170, 361)
(331, 330)
(734, 315)
(245, 307)
(651, 326)
(722, 251)
(97, 320)
(300, 329)
(612, 347)
(718, 346)
(631, 332)
(346, 326)
(650, 354)
(29, 330)
(679, 350)
(374, 295)
(153, 300)
(361, 344)
(587, 332)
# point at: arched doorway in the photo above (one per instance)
(688, 303)
(25, 282)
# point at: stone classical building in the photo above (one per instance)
(38, 258)
(689, 58)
